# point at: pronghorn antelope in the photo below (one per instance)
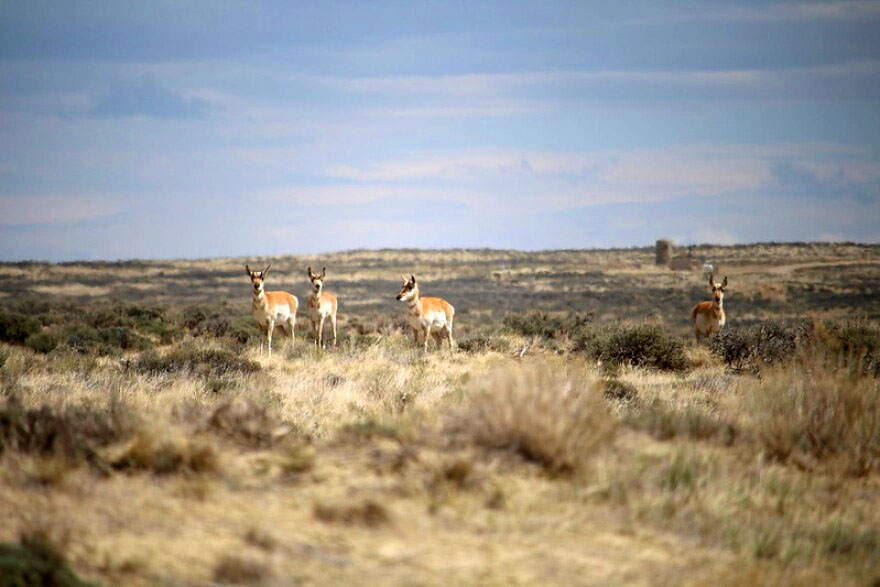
(430, 316)
(272, 307)
(322, 305)
(708, 317)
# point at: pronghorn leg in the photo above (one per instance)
(321, 333)
(415, 336)
(291, 323)
(333, 322)
(269, 330)
(427, 336)
(438, 338)
(449, 336)
(315, 332)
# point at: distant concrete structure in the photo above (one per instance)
(664, 251)
(682, 263)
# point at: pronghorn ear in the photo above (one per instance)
(265, 271)
(323, 272)
(711, 280)
(309, 270)
(404, 279)
(724, 283)
(248, 269)
(412, 279)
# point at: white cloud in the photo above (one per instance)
(54, 209)
(715, 236)
(495, 83)
(831, 237)
(571, 179)
(775, 12)
(364, 193)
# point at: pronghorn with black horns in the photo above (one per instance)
(322, 305)
(427, 316)
(272, 308)
(708, 317)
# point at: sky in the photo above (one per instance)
(192, 129)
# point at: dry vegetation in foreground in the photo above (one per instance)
(143, 442)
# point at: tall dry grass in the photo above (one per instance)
(553, 416)
(816, 411)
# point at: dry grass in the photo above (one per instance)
(546, 415)
(514, 460)
(235, 570)
(812, 412)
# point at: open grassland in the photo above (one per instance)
(575, 436)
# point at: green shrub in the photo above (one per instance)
(641, 345)
(35, 562)
(480, 344)
(664, 422)
(42, 342)
(126, 315)
(123, 338)
(248, 423)
(544, 325)
(366, 513)
(774, 342)
(146, 320)
(857, 341)
(206, 321)
(16, 328)
(81, 338)
(104, 341)
(206, 362)
(369, 429)
(193, 316)
(233, 569)
(73, 432)
(217, 326)
(151, 450)
(770, 342)
(621, 391)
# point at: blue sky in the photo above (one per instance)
(201, 129)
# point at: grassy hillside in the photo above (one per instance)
(575, 436)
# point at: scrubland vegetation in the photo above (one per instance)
(576, 436)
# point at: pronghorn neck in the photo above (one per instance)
(414, 302)
(316, 293)
(260, 299)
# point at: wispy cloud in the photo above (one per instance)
(145, 97)
(54, 210)
(661, 173)
(859, 182)
(770, 12)
(493, 83)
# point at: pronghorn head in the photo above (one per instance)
(409, 289)
(717, 288)
(257, 277)
(317, 280)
